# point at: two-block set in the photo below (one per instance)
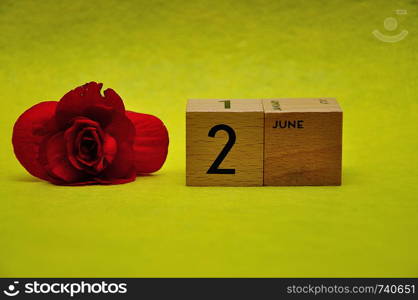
(276, 142)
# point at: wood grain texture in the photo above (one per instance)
(246, 117)
(302, 156)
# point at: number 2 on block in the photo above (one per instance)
(214, 168)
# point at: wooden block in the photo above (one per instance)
(303, 141)
(224, 142)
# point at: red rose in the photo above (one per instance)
(87, 138)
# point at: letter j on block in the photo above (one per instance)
(224, 142)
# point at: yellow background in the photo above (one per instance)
(156, 54)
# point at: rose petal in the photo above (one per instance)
(122, 167)
(29, 131)
(151, 142)
(63, 173)
(87, 101)
(110, 148)
(129, 178)
(123, 131)
(121, 128)
(53, 153)
(84, 158)
(72, 136)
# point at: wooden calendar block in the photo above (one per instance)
(224, 142)
(303, 141)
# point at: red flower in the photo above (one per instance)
(87, 138)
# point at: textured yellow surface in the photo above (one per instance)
(156, 54)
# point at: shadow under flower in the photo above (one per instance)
(24, 178)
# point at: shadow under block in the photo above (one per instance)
(303, 141)
(224, 142)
